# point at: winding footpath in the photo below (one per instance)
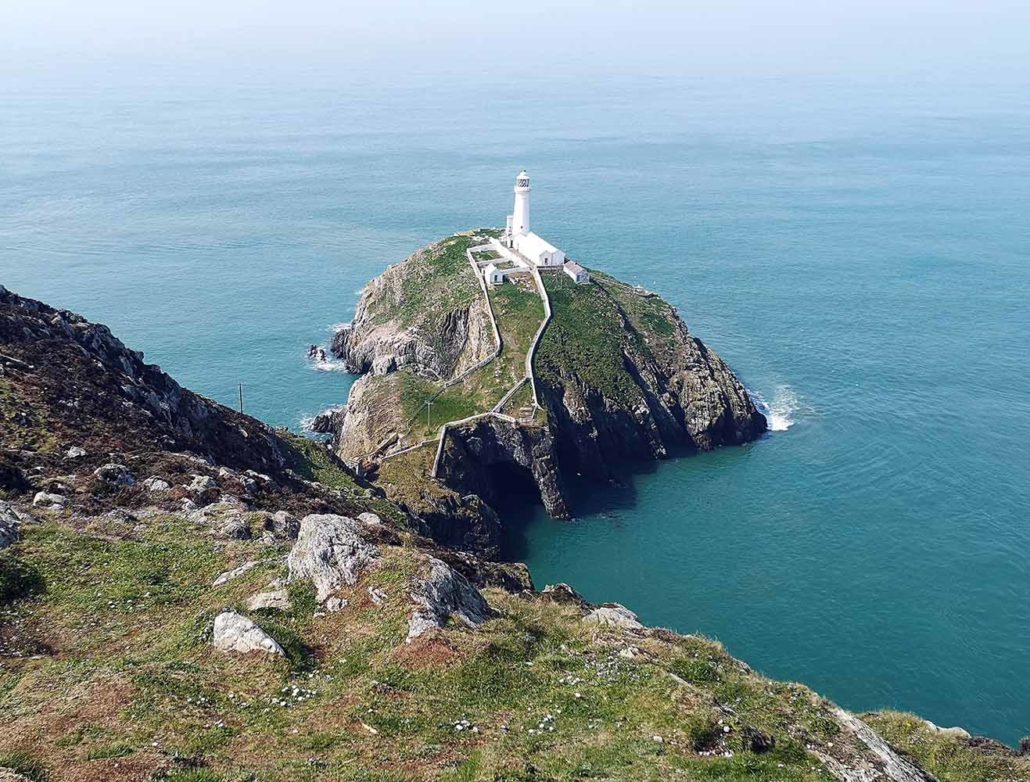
(495, 411)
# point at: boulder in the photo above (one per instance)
(273, 600)
(117, 474)
(370, 518)
(154, 483)
(10, 529)
(225, 518)
(236, 633)
(50, 501)
(444, 593)
(10, 775)
(334, 604)
(75, 452)
(614, 615)
(330, 552)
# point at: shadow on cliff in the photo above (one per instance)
(520, 512)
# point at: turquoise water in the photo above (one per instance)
(859, 254)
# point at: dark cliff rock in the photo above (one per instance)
(654, 390)
(486, 457)
(70, 369)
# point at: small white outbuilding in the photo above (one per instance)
(578, 274)
(493, 275)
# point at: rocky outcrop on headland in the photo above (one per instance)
(391, 331)
(618, 374)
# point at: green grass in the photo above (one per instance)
(549, 696)
(586, 337)
(947, 756)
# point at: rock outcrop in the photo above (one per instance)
(441, 594)
(330, 552)
(235, 633)
(391, 331)
(618, 374)
(71, 369)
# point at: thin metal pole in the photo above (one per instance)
(241, 397)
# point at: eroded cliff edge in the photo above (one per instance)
(618, 376)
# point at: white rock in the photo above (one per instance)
(47, 500)
(370, 518)
(75, 452)
(614, 615)
(442, 594)
(236, 633)
(229, 575)
(156, 484)
(330, 552)
(275, 600)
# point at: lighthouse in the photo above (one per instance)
(527, 246)
(520, 215)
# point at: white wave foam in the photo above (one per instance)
(328, 366)
(780, 412)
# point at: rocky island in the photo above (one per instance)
(187, 595)
(471, 390)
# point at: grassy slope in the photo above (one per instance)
(132, 690)
(519, 311)
(135, 682)
(581, 336)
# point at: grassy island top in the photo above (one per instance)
(590, 328)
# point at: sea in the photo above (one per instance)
(859, 253)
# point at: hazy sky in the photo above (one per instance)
(476, 38)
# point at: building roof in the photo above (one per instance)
(532, 245)
(490, 268)
(574, 267)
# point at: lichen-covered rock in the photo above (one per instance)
(156, 484)
(43, 499)
(441, 594)
(201, 484)
(283, 525)
(235, 573)
(10, 526)
(235, 633)
(330, 552)
(563, 594)
(117, 474)
(614, 615)
(226, 519)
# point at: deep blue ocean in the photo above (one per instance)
(860, 254)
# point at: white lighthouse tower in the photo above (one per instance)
(528, 247)
(520, 215)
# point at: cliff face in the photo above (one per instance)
(58, 369)
(424, 315)
(619, 377)
(623, 379)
